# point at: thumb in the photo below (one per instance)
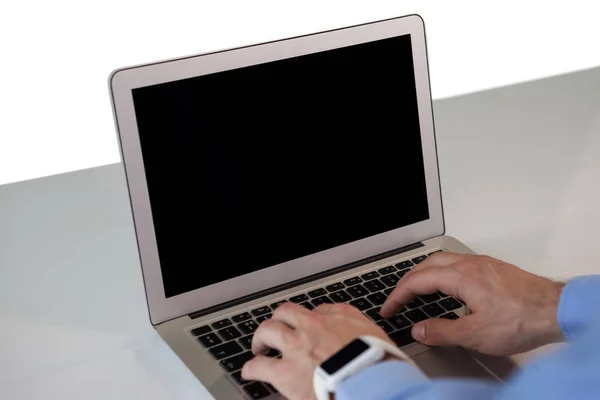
(442, 332)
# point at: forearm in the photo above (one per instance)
(396, 380)
(571, 372)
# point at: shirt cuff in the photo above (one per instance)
(579, 304)
(380, 381)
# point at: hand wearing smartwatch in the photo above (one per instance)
(357, 355)
(322, 347)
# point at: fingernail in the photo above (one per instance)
(419, 332)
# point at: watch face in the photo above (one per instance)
(344, 356)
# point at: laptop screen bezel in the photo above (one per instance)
(121, 83)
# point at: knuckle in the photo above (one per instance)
(486, 258)
(265, 325)
(408, 277)
(291, 338)
(464, 267)
(322, 307)
(283, 308)
(342, 308)
(248, 368)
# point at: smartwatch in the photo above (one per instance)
(357, 355)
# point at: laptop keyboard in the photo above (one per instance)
(229, 340)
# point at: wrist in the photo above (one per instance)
(356, 356)
(388, 357)
(544, 325)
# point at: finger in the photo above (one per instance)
(324, 308)
(339, 308)
(292, 314)
(439, 259)
(272, 334)
(444, 332)
(261, 368)
(425, 281)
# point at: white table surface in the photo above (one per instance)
(520, 170)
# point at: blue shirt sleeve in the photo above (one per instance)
(579, 305)
(571, 372)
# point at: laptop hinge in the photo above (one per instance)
(285, 286)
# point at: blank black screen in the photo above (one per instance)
(344, 356)
(256, 166)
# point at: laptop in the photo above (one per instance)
(299, 170)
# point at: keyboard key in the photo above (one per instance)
(390, 280)
(209, 340)
(299, 299)
(357, 291)
(400, 274)
(387, 292)
(437, 251)
(449, 315)
(200, 330)
(374, 314)
(263, 318)
(352, 281)
(419, 259)
(415, 315)
(306, 304)
(374, 285)
(273, 353)
(261, 311)
(402, 337)
(404, 264)
(340, 296)
(246, 342)
(387, 270)
(415, 303)
(237, 376)
(225, 350)
(403, 309)
(236, 362)
(377, 298)
(400, 322)
(241, 317)
(450, 303)
(229, 333)
(433, 309)
(387, 328)
(334, 287)
(361, 304)
(442, 295)
(277, 304)
(321, 300)
(270, 387)
(248, 327)
(370, 275)
(317, 293)
(429, 298)
(256, 390)
(221, 324)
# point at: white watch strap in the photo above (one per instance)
(389, 348)
(321, 391)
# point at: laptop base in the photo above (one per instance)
(434, 362)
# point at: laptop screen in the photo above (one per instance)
(256, 166)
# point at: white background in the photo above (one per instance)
(56, 56)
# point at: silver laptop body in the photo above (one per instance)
(299, 170)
